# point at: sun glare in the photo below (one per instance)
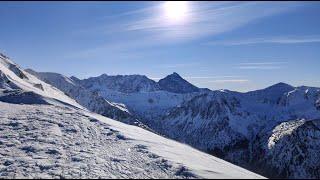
(176, 10)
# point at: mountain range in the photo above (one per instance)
(51, 133)
(274, 131)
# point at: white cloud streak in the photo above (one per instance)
(230, 81)
(261, 65)
(210, 77)
(181, 65)
(270, 40)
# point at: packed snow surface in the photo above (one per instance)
(49, 141)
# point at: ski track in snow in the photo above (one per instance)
(45, 141)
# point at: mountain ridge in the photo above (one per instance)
(252, 129)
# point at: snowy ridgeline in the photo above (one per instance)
(44, 133)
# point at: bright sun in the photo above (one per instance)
(176, 10)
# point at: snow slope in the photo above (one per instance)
(14, 79)
(46, 141)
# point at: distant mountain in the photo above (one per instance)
(237, 127)
(271, 94)
(176, 84)
(139, 83)
(143, 96)
(121, 83)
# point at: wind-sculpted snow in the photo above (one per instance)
(46, 141)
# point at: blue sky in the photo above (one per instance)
(220, 45)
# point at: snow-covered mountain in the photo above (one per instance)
(18, 86)
(92, 101)
(138, 84)
(143, 96)
(46, 134)
(121, 83)
(300, 141)
(234, 126)
(151, 101)
(176, 84)
(271, 94)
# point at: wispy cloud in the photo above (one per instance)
(270, 40)
(261, 65)
(210, 77)
(230, 81)
(149, 26)
(207, 19)
(179, 65)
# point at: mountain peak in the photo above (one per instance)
(175, 74)
(176, 84)
(281, 85)
(272, 93)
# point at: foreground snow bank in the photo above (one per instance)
(46, 141)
